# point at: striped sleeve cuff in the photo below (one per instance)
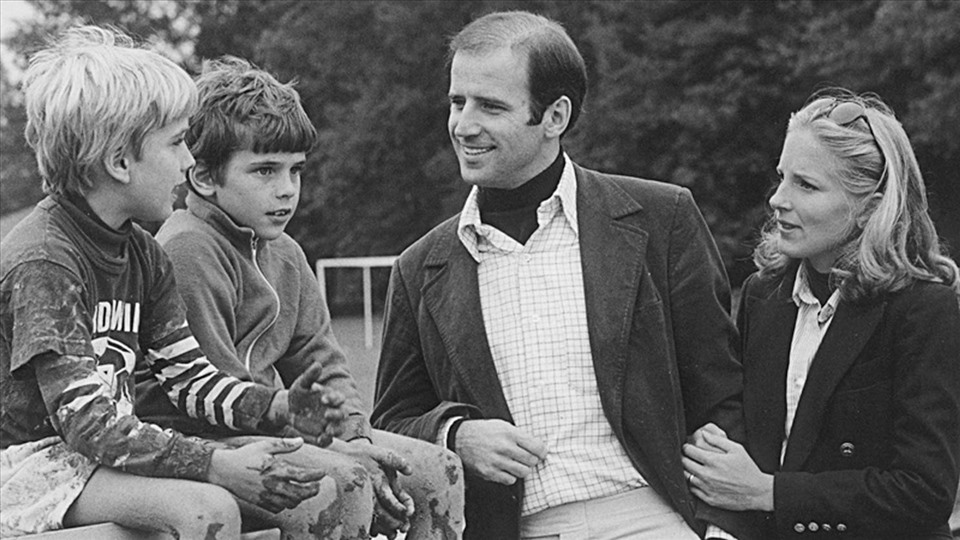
(200, 390)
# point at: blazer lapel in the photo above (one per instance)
(848, 333)
(451, 294)
(765, 359)
(612, 253)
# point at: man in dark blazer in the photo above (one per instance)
(466, 361)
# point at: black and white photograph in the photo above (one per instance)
(479, 269)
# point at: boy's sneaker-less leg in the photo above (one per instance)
(341, 511)
(182, 508)
(436, 486)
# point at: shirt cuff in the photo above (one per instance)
(714, 532)
(445, 430)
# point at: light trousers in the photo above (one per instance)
(640, 514)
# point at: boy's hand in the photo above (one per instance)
(254, 473)
(315, 410)
(393, 507)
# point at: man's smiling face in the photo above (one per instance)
(489, 120)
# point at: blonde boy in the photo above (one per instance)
(88, 303)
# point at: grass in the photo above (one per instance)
(362, 361)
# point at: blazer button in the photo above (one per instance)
(847, 449)
(826, 527)
(813, 527)
(799, 527)
(841, 527)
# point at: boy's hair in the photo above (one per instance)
(555, 67)
(93, 93)
(892, 241)
(243, 107)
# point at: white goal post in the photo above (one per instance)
(365, 264)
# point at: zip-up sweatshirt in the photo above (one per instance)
(255, 307)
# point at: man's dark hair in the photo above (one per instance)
(555, 67)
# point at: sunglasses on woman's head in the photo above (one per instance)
(845, 113)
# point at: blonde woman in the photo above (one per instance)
(851, 344)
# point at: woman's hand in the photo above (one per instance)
(722, 474)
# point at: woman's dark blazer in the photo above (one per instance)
(874, 450)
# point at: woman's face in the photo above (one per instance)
(814, 213)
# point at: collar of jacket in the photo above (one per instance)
(243, 238)
(607, 239)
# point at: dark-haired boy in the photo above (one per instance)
(256, 304)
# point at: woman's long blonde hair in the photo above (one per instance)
(892, 241)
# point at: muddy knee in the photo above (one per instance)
(437, 488)
(349, 515)
(208, 512)
(436, 471)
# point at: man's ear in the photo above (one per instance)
(117, 165)
(557, 116)
(201, 179)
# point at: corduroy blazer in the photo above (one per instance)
(874, 449)
(662, 341)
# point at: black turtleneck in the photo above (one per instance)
(819, 285)
(111, 240)
(514, 211)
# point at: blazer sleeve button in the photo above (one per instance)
(826, 527)
(799, 527)
(841, 527)
(847, 449)
(813, 527)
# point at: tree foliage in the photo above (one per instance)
(17, 162)
(695, 93)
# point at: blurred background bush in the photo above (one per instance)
(692, 93)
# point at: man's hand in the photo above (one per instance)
(255, 474)
(498, 451)
(393, 506)
(315, 410)
(722, 473)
